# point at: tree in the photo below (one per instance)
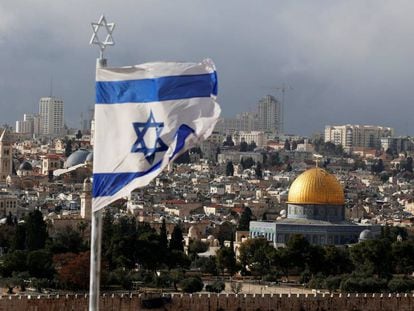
(247, 162)
(206, 265)
(163, 236)
(236, 287)
(294, 145)
(78, 135)
(245, 218)
(176, 241)
(184, 158)
(67, 240)
(123, 248)
(372, 257)
(256, 254)
(258, 170)
(191, 285)
(107, 234)
(403, 256)
(377, 167)
(229, 168)
(19, 240)
(68, 148)
(215, 287)
(409, 164)
(252, 146)
(336, 261)
(197, 246)
(274, 159)
(14, 261)
(36, 231)
(226, 260)
(243, 146)
(73, 271)
(40, 264)
(228, 142)
(287, 144)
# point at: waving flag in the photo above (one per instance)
(145, 116)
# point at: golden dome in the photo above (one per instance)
(316, 186)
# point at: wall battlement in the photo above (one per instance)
(214, 302)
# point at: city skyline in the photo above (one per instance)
(346, 62)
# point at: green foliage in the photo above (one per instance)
(372, 257)
(403, 256)
(197, 246)
(247, 163)
(226, 260)
(336, 261)
(176, 241)
(258, 171)
(287, 144)
(178, 259)
(121, 277)
(19, 240)
(163, 236)
(36, 231)
(191, 285)
(206, 265)
(401, 285)
(355, 284)
(15, 261)
(67, 240)
(215, 287)
(274, 159)
(332, 283)
(78, 134)
(68, 148)
(257, 255)
(228, 142)
(327, 148)
(245, 218)
(377, 167)
(243, 146)
(316, 282)
(40, 264)
(229, 168)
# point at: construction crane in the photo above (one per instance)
(283, 89)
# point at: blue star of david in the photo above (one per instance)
(141, 129)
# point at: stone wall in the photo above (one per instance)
(214, 302)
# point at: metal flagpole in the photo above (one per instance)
(96, 226)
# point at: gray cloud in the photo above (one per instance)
(347, 61)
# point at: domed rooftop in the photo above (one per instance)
(25, 166)
(316, 186)
(89, 158)
(78, 157)
(365, 235)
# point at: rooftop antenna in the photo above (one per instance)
(51, 86)
(283, 89)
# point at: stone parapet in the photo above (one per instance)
(213, 302)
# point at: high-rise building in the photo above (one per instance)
(350, 136)
(266, 118)
(29, 125)
(51, 115)
(269, 114)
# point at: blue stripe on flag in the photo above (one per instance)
(157, 89)
(107, 184)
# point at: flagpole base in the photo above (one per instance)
(95, 269)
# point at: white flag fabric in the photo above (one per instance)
(145, 116)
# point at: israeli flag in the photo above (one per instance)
(145, 116)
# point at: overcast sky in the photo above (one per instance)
(346, 61)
